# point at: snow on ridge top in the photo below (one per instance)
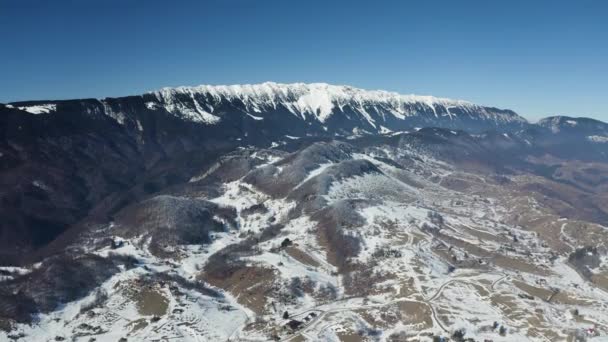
(322, 100)
(338, 93)
(39, 109)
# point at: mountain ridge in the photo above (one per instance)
(359, 110)
(328, 106)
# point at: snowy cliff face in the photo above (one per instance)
(334, 107)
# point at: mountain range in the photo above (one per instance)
(88, 149)
(354, 214)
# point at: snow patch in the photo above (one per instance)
(598, 138)
(152, 105)
(257, 118)
(39, 109)
(571, 122)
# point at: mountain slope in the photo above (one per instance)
(336, 108)
(570, 125)
(63, 161)
(323, 108)
(408, 236)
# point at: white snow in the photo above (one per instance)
(571, 122)
(257, 118)
(40, 184)
(317, 100)
(385, 130)
(598, 138)
(188, 108)
(314, 173)
(39, 109)
(152, 105)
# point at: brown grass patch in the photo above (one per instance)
(249, 284)
(413, 313)
(481, 290)
(350, 336)
(544, 294)
(534, 291)
(508, 306)
(483, 235)
(517, 264)
(537, 327)
(367, 282)
(380, 318)
(416, 313)
(298, 338)
(150, 302)
(301, 256)
(600, 280)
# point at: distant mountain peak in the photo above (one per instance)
(560, 122)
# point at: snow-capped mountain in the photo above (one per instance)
(295, 109)
(327, 105)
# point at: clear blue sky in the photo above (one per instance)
(536, 57)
